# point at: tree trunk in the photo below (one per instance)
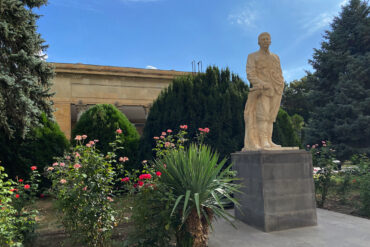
(198, 228)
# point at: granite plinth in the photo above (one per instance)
(278, 191)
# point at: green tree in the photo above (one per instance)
(25, 78)
(214, 99)
(284, 132)
(101, 122)
(39, 148)
(340, 86)
(295, 98)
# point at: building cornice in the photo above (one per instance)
(86, 69)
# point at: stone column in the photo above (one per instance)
(278, 190)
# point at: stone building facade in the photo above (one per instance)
(79, 86)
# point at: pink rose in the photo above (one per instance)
(164, 133)
(63, 181)
(77, 166)
(123, 159)
(184, 127)
(78, 138)
(84, 137)
(62, 164)
(55, 163)
(119, 131)
(169, 131)
(156, 138)
(167, 144)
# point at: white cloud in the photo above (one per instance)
(343, 3)
(316, 23)
(246, 17)
(43, 55)
(150, 67)
(295, 73)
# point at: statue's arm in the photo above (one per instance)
(278, 61)
(251, 72)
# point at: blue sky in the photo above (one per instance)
(170, 34)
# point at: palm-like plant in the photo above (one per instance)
(201, 188)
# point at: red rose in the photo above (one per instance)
(145, 176)
(158, 173)
(33, 168)
(16, 196)
(126, 179)
(140, 183)
(20, 180)
(27, 186)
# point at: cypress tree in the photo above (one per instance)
(25, 78)
(214, 99)
(340, 85)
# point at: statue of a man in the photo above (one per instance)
(265, 75)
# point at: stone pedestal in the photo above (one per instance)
(279, 191)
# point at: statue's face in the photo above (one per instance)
(264, 41)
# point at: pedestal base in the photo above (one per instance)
(278, 190)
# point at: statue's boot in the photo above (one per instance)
(263, 134)
(270, 128)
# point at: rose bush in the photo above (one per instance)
(17, 216)
(83, 182)
(323, 157)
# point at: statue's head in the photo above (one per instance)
(264, 40)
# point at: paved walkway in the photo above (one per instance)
(333, 229)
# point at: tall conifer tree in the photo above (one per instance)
(340, 85)
(25, 78)
(214, 99)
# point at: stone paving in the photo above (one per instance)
(333, 229)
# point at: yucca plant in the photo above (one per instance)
(201, 188)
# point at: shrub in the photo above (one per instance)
(17, 217)
(82, 182)
(284, 132)
(363, 164)
(100, 122)
(9, 236)
(323, 157)
(40, 147)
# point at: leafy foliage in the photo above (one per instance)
(214, 99)
(40, 146)
(17, 218)
(100, 122)
(295, 98)
(363, 164)
(323, 157)
(284, 132)
(201, 189)
(340, 88)
(25, 78)
(83, 183)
